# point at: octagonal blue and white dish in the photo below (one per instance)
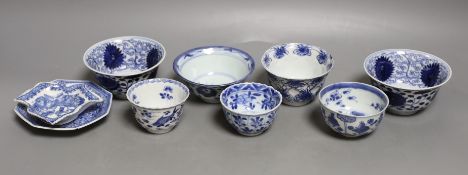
(209, 70)
(297, 70)
(410, 78)
(250, 108)
(122, 61)
(89, 116)
(57, 103)
(158, 103)
(352, 109)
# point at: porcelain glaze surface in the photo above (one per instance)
(90, 115)
(410, 78)
(209, 70)
(57, 103)
(158, 103)
(297, 70)
(122, 61)
(250, 108)
(352, 109)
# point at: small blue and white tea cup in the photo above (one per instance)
(352, 109)
(297, 70)
(250, 108)
(158, 103)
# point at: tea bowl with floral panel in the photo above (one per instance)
(410, 78)
(158, 103)
(209, 70)
(120, 62)
(297, 70)
(250, 108)
(57, 103)
(352, 109)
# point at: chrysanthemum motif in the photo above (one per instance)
(322, 57)
(430, 74)
(302, 50)
(383, 68)
(152, 58)
(113, 57)
(280, 51)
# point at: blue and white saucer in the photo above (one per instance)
(89, 116)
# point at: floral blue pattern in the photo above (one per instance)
(280, 51)
(167, 93)
(297, 92)
(303, 50)
(414, 68)
(250, 107)
(120, 62)
(161, 118)
(113, 57)
(322, 57)
(410, 78)
(57, 103)
(89, 116)
(343, 118)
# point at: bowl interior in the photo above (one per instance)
(353, 99)
(124, 55)
(157, 93)
(250, 98)
(297, 61)
(408, 69)
(214, 65)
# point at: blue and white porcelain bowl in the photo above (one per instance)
(120, 62)
(297, 70)
(410, 78)
(158, 103)
(209, 70)
(250, 108)
(57, 103)
(352, 109)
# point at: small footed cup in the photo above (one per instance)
(250, 108)
(158, 103)
(297, 70)
(352, 109)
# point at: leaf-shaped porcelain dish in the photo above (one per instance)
(57, 103)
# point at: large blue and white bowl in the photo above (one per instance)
(410, 78)
(352, 109)
(209, 70)
(250, 108)
(297, 70)
(120, 62)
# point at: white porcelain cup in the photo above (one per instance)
(158, 103)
